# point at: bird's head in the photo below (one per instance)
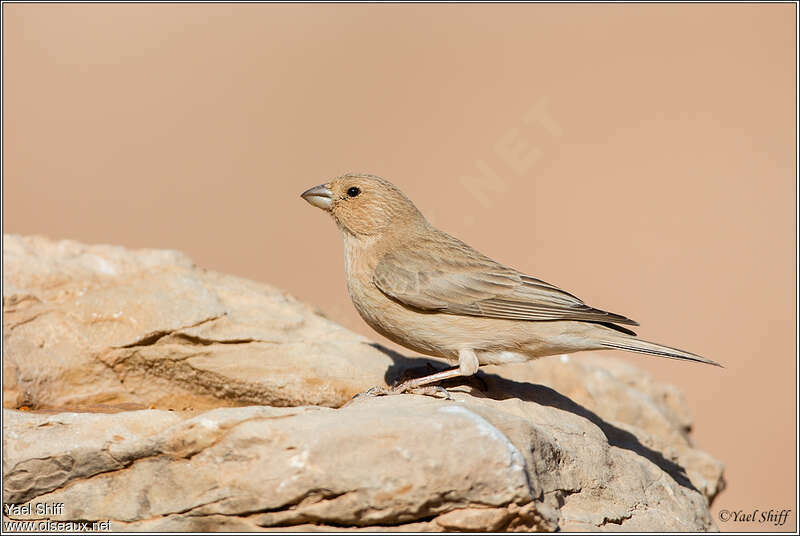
(364, 204)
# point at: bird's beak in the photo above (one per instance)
(319, 196)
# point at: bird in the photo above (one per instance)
(434, 294)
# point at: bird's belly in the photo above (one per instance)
(414, 330)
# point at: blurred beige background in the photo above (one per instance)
(640, 156)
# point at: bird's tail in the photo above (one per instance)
(632, 344)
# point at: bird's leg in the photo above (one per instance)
(427, 380)
(467, 362)
(467, 366)
(417, 386)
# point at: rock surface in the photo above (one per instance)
(88, 325)
(271, 441)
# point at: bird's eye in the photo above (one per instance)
(353, 191)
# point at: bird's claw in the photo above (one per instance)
(425, 390)
(436, 391)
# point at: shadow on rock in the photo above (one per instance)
(500, 388)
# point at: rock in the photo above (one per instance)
(88, 325)
(77, 446)
(405, 462)
(562, 443)
(607, 391)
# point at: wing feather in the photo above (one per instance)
(445, 275)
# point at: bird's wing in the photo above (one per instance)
(448, 276)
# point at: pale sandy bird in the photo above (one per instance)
(434, 294)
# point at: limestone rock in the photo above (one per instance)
(88, 325)
(562, 443)
(406, 462)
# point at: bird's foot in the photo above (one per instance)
(436, 391)
(407, 387)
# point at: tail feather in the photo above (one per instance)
(646, 347)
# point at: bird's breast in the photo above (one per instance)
(359, 265)
(382, 314)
